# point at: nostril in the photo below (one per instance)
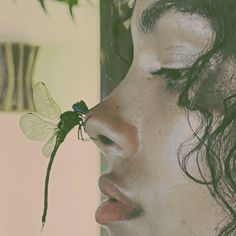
(105, 140)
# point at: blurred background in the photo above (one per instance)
(64, 54)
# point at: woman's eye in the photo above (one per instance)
(174, 74)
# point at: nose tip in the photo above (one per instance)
(110, 131)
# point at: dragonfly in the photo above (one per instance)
(48, 124)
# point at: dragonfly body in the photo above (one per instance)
(68, 120)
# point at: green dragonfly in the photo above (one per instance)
(49, 124)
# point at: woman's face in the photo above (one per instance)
(139, 128)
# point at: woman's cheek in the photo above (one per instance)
(161, 146)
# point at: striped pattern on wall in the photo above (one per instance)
(17, 61)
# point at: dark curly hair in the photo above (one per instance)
(209, 90)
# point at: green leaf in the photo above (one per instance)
(70, 3)
(42, 4)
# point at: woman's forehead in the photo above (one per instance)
(148, 17)
(174, 38)
(148, 13)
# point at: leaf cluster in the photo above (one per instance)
(70, 3)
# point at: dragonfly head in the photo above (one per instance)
(80, 107)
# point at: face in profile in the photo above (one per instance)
(149, 129)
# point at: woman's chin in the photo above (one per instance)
(132, 227)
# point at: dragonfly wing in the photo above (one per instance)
(49, 146)
(36, 128)
(44, 103)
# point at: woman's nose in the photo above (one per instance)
(111, 132)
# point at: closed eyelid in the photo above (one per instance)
(179, 58)
(178, 50)
(176, 60)
(184, 55)
(176, 47)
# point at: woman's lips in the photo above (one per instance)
(117, 207)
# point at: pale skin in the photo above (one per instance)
(146, 126)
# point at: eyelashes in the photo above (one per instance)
(173, 74)
(175, 78)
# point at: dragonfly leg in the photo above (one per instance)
(80, 135)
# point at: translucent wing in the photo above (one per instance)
(49, 146)
(36, 128)
(44, 103)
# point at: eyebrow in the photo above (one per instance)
(152, 13)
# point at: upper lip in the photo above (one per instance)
(109, 189)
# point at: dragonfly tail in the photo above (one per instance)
(43, 223)
(45, 208)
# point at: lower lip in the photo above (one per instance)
(111, 211)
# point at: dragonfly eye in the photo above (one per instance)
(80, 107)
